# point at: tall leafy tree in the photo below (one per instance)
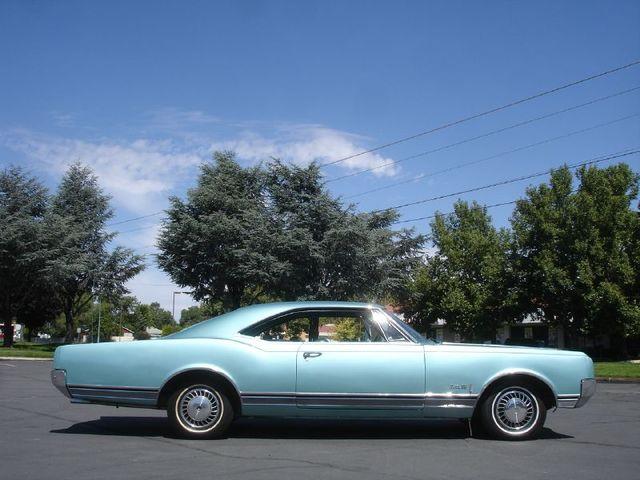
(541, 224)
(274, 232)
(197, 313)
(24, 246)
(41, 308)
(327, 251)
(214, 241)
(466, 280)
(149, 315)
(605, 227)
(83, 265)
(575, 251)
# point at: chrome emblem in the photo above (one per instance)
(460, 386)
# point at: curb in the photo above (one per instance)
(32, 359)
(617, 380)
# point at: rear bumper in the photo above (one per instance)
(59, 380)
(587, 389)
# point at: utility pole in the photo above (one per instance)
(173, 308)
(99, 316)
(120, 329)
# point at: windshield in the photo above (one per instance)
(409, 331)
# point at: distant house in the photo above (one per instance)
(153, 332)
(125, 336)
(531, 331)
(18, 330)
(326, 331)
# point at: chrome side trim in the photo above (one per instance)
(114, 387)
(114, 395)
(451, 402)
(360, 400)
(567, 401)
(273, 400)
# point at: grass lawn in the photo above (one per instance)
(617, 369)
(30, 350)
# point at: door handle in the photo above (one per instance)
(311, 354)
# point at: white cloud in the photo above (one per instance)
(138, 174)
(141, 173)
(303, 144)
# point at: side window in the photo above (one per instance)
(390, 332)
(341, 328)
(331, 326)
(348, 327)
(293, 328)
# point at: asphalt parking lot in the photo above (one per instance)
(43, 436)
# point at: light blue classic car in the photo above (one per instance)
(323, 360)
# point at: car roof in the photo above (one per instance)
(228, 324)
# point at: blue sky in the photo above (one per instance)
(144, 91)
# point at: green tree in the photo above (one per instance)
(41, 308)
(213, 242)
(24, 246)
(191, 316)
(605, 227)
(253, 234)
(83, 266)
(541, 224)
(347, 330)
(466, 280)
(325, 250)
(149, 315)
(575, 252)
(198, 313)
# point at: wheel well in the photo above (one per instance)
(192, 376)
(540, 387)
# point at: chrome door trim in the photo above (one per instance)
(371, 400)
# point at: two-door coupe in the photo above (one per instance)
(323, 360)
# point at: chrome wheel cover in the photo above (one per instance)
(515, 410)
(199, 408)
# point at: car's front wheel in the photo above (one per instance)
(513, 412)
(200, 411)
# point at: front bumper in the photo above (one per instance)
(587, 389)
(59, 380)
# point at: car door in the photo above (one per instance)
(360, 362)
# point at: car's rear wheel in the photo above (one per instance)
(200, 411)
(513, 412)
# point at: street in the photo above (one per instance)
(44, 436)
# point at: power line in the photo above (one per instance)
(449, 213)
(138, 229)
(135, 218)
(485, 113)
(505, 182)
(494, 156)
(484, 135)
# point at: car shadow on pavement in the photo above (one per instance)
(290, 428)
